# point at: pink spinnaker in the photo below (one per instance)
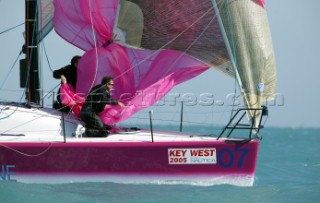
(142, 77)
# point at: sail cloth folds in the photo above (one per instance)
(192, 27)
(151, 46)
(142, 77)
(188, 26)
(85, 23)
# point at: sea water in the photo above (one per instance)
(288, 170)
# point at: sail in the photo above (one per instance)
(45, 18)
(188, 26)
(156, 45)
(246, 25)
(193, 27)
(46, 11)
(142, 77)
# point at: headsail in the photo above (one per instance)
(247, 28)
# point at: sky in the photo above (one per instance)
(295, 33)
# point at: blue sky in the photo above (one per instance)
(295, 31)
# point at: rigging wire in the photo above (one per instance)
(232, 60)
(232, 45)
(163, 47)
(156, 52)
(7, 76)
(25, 154)
(11, 28)
(21, 124)
(47, 59)
(45, 52)
(186, 50)
(95, 44)
(167, 43)
(174, 121)
(94, 37)
(172, 40)
(28, 155)
(21, 98)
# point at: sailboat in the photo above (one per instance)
(148, 47)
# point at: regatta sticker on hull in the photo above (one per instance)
(192, 156)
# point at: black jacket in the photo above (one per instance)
(70, 72)
(97, 99)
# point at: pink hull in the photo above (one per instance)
(127, 159)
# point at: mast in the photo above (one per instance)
(31, 46)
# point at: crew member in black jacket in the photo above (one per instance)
(96, 100)
(67, 74)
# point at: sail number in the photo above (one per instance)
(226, 157)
